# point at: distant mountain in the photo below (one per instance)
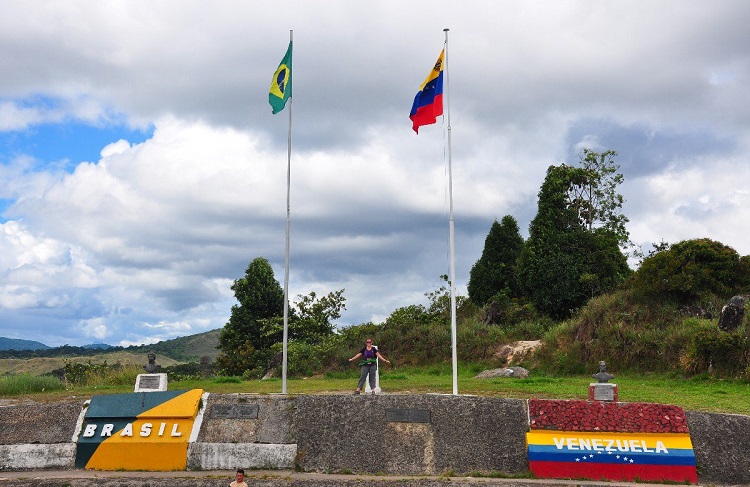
(17, 344)
(183, 349)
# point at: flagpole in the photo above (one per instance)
(286, 262)
(450, 223)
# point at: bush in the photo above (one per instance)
(692, 270)
(718, 352)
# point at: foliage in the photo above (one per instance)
(594, 196)
(90, 374)
(630, 334)
(692, 270)
(255, 331)
(13, 385)
(563, 264)
(260, 298)
(718, 352)
(495, 271)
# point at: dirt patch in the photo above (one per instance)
(515, 352)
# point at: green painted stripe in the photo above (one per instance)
(127, 405)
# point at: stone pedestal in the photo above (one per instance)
(151, 382)
(603, 392)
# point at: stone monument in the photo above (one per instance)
(152, 380)
(601, 390)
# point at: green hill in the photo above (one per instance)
(185, 349)
(17, 344)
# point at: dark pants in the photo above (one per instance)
(367, 369)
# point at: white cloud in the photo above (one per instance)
(145, 242)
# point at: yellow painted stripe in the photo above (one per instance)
(183, 406)
(670, 440)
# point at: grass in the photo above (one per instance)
(700, 393)
(14, 385)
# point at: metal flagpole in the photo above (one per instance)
(286, 263)
(450, 223)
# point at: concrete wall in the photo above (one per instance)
(344, 433)
(351, 433)
(721, 443)
(38, 436)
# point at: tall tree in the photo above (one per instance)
(563, 264)
(495, 271)
(594, 194)
(260, 298)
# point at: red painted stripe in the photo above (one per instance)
(597, 471)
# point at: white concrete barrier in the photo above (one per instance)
(33, 456)
(228, 456)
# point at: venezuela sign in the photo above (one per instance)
(613, 456)
(139, 431)
(613, 441)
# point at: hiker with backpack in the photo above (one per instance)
(369, 365)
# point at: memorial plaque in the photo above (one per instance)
(604, 393)
(149, 381)
(408, 416)
(234, 411)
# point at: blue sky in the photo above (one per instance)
(141, 169)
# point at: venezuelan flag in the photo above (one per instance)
(612, 456)
(428, 104)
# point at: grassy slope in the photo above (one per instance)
(697, 394)
(44, 365)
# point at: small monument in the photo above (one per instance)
(601, 390)
(152, 380)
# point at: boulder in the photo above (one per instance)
(732, 314)
(515, 372)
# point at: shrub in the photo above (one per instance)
(692, 270)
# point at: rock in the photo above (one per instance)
(732, 314)
(517, 351)
(273, 365)
(515, 372)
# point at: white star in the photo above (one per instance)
(609, 453)
(618, 457)
(591, 456)
(578, 459)
(631, 460)
(626, 459)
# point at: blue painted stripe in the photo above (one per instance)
(551, 453)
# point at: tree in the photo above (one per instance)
(260, 298)
(495, 271)
(310, 319)
(691, 270)
(563, 263)
(594, 196)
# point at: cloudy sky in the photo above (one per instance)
(141, 169)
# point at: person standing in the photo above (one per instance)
(239, 479)
(369, 365)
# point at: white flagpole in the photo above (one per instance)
(452, 233)
(288, 220)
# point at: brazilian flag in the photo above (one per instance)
(281, 84)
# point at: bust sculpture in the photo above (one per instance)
(151, 366)
(602, 376)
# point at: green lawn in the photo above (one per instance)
(696, 394)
